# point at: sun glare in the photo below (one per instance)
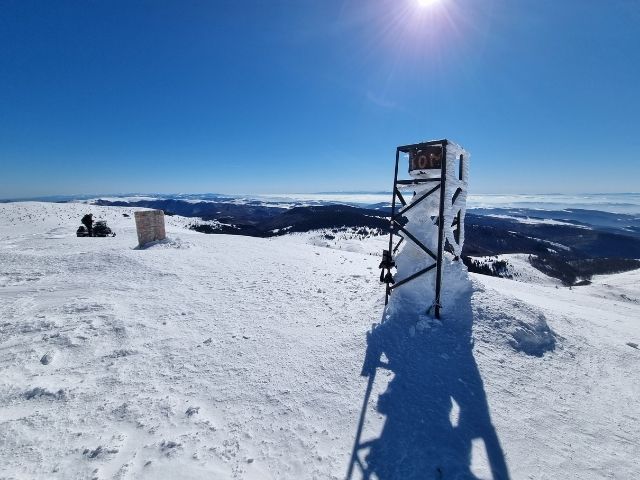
(426, 3)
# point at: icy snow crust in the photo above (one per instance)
(213, 356)
(452, 184)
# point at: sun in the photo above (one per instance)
(426, 3)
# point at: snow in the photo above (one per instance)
(539, 221)
(124, 198)
(214, 356)
(624, 203)
(454, 183)
(130, 330)
(352, 239)
(586, 397)
(519, 268)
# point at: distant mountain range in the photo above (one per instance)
(568, 244)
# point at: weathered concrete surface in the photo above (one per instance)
(150, 226)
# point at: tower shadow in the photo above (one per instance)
(435, 406)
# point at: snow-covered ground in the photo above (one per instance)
(538, 221)
(519, 268)
(351, 239)
(214, 356)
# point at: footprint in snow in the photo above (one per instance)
(169, 447)
(192, 411)
(47, 358)
(99, 452)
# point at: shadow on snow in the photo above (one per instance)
(435, 377)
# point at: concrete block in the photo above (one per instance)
(150, 226)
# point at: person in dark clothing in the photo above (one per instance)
(87, 221)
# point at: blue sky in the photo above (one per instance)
(280, 96)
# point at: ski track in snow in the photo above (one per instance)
(214, 356)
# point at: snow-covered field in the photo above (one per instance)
(519, 268)
(214, 356)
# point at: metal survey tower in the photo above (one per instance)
(439, 179)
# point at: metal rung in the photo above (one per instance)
(417, 181)
(400, 197)
(411, 277)
(416, 241)
(416, 202)
(456, 195)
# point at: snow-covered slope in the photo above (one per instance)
(516, 266)
(213, 356)
(351, 239)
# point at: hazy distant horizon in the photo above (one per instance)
(622, 203)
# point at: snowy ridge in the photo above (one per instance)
(538, 221)
(517, 267)
(215, 356)
(351, 239)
